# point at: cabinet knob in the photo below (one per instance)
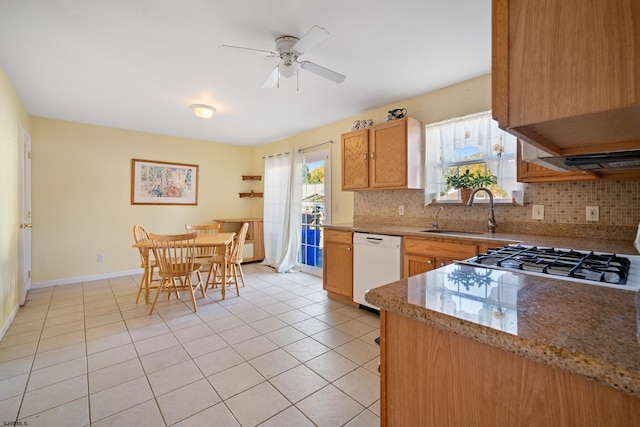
(366, 155)
(429, 262)
(349, 248)
(373, 155)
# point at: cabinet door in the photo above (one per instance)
(417, 264)
(389, 155)
(564, 76)
(337, 265)
(258, 240)
(355, 160)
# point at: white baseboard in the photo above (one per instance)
(72, 280)
(5, 328)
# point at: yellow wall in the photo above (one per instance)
(12, 114)
(81, 184)
(463, 98)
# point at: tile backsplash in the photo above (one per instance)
(564, 210)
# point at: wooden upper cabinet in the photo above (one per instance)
(385, 156)
(565, 75)
(355, 160)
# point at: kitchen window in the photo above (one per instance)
(474, 143)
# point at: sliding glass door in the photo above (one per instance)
(315, 208)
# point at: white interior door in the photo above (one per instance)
(25, 214)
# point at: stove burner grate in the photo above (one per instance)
(607, 268)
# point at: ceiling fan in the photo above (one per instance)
(289, 49)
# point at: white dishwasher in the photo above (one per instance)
(376, 262)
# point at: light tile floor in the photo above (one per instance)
(281, 354)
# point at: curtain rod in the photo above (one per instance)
(460, 119)
(300, 150)
(286, 153)
(314, 146)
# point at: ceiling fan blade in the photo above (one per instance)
(238, 49)
(312, 38)
(322, 71)
(271, 79)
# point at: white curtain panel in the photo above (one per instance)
(282, 214)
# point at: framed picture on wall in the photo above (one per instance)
(163, 183)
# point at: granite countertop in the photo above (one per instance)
(589, 330)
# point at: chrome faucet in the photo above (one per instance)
(491, 223)
(435, 223)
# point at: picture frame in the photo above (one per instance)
(163, 183)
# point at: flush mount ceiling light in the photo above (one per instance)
(203, 111)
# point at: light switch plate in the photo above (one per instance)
(401, 210)
(537, 212)
(593, 213)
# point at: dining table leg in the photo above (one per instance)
(224, 272)
(147, 280)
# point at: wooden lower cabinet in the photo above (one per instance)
(337, 268)
(254, 242)
(422, 255)
(432, 377)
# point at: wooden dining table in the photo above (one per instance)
(219, 240)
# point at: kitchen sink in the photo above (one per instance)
(441, 231)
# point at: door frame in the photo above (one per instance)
(24, 273)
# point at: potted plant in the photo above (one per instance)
(467, 182)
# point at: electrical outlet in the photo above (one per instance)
(593, 213)
(100, 257)
(401, 210)
(537, 212)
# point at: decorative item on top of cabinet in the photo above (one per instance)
(384, 156)
(251, 193)
(254, 241)
(548, 89)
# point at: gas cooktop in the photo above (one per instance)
(618, 271)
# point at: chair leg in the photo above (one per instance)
(211, 277)
(140, 287)
(241, 274)
(235, 279)
(160, 286)
(192, 292)
(200, 284)
(146, 276)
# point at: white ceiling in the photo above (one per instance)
(139, 64)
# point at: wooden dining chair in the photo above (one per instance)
(175, 255)
(204, 255)
(146, 261)
(234, 262)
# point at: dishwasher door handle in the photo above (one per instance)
(374, 240)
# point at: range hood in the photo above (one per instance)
(592, 162)
(616, 160)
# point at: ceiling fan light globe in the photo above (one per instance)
(287, 71)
